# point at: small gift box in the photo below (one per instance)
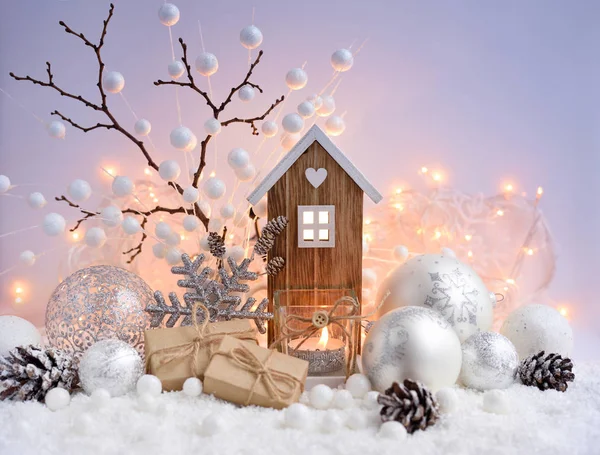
(176, 354)
(244, 373)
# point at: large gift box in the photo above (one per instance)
(244, 373)
(176, 354)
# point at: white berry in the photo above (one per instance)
(343, 399)
(321, 396)
(192, 387)
(358, 385)
(57, 398)
(149, 384)
(296, 416)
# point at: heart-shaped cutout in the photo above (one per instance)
(316, 177)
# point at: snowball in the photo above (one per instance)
(27, 258)
(191, 195)
(79, 190)
(162, 230)
(370, 400)
(215, 225)
(214, 188)
(207, 64)
(335, 125)
(292, 123)
(111, 216)
(246, 93)
(358, 385)
(297, 416)
(57, 398)
(251, 37)
(183, 139)
(4, 184)
(168, 14)
(95, 237)
(327, 107)
(343, 399)
(321, 396)
(36, 200)
(149, 384)
(131, 226)
(400, 253)
(238, 158)
(142, 127)
(192, 387)
(369, 278)
(56, 129)
(447, 400)
(122, 186)
(159, 250)
(227, 211)
(246, 173)
(289, 140)
(495, 402)
(331, 422)
(191, 223)
(306, 109)
(392, 430)
(269, 128)
(342, 60)
(113, 82)
(212, 126)
(54, 224)
(173, 256)
(176, 69)
(169, 170)
(296, 78)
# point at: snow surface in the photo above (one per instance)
(538, 423)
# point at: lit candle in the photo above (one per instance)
(324, 355)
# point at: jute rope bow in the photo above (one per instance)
(204, 338)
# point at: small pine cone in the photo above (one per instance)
(264, 243)
(549, 372)
(275, 265)
(29, 372)
(411, 404)
(276, 226)
(216, 245)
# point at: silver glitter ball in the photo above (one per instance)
(97, 303)
(412, 343)
(112, 365)
(490, 361)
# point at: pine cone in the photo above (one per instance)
(275, 265)
(216, 245)
(27, 373)
(411, 404)
(549, 372)
(264, 243)
(276, 226)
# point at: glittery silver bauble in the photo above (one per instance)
(412, 343)
(98, 303)
(112, 365)
(489, 361)
(444, 284)
(534, 328)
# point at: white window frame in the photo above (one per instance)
(316, 226)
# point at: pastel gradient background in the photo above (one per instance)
(489, 90)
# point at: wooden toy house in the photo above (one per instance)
(320, 192)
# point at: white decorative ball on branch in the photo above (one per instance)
(95, 237)
(79, 190)
(251, 37)
(56, 129)
(306, 109)
(162, 230)
(168, 14)
(296, 79)
(246, 173)
(176, 69)
(214, 188)
(269, 128)
(236, 252)
(142, 127)
(335, 125)
(227, 211)
(27, 258)
(289, 140)
(159, 250)
(327, 107)
(400, 253)
(238, 158)
(111, 216)
(4, 184)
(212, 126)
(316, 101)
(207, 64)
(113, 82)
(183, 139)
(246, 93)
(205, 207)
(173, 239)
(191, 194)
(131, 225)
(36, 200)
(54, 224)
(173, 256)
(260, 208)
(122, 186)
(169, 170)
(191, 223)
(342, 60)
(292, 123)
(215, 225)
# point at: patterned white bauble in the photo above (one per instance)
(296, 78)
(236, 252)
(4, 184)
(392, 430)
(489, 361)
(57, 129)
(335, 125)
(168, 14)
(205, 207)
(212, 126)
(534, 328)
(292, 123)
(269, 128)
(113, 81)
(246, 173)
(342, 60)
(173, 256)
(79, 190)
(122, 186)
(316, 100)
(289, 140)
(95, 237)
(260, 209)
(343, 399)
(412, 343)
(191, 223)
(358, 385)
(176, 69)
(27, 258)
(251, 37)
(183, 139)
(36, 200)
(159, 250)
(321, 396)
(297, 416)
(191, 195)
(192, 387)
(57, 398)
(54, 224)
(214, 188)
(227, 211)
(148, 384)
(215, 224)
(111, 216)
(112, 365)
(142, 127)
(16, 331)
(327, 106)
(162, 230)
(207, 64)
(306, 109)
(169, 170)
(246, 93)
(443, 284)
(238, 158)
(131, 225)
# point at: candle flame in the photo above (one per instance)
(322, 344)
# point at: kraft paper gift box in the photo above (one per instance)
(179, 353)
(245, 373)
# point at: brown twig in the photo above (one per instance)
(254, 119)
(87, 214)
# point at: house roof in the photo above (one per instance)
(314, 134)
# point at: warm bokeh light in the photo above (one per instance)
(500, 212)
(468, 237)
(399, 207)
(398, 190)
(212, 174)
(147, 171)
(470, 254)
(367, 221)
(529, 251)
(424, 170)
(510, 281)
(509, 187)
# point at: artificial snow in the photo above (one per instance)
(536, 422)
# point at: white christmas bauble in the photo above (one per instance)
(297, 416)
(173, 239)
(215, 225)
(358, 385)
(289, 140)
(246, 173)
(142, 127)
(495, 402)
(176, 69)
(191, 195)
(534, 328)
(169, 170)
(321, 396)
(113, 81)
(162, 230)
(236, 252)
(57, 129)
(168, 14)
(159, 250)
(447, 400)
(173, 256)
(238, 158)
(4, 184)
(122, 186)
(412, 343)
(251, 37)
(306, 109)
(443, 284)
(489, 361)
(260, 208)
(212, 126)
(16, 331)
(331, 422)
(214, 188)
(183, 139)
(227, 211)
(292, 123)
(342, 60)
(54, 224)
(369, 278)
(370, 400)
(392, 430)
(343, 399)
(214, 424)
(296, 78)
(246, 93)
(36, 200)
(27, 258)
(149, 384)
(335, 125)
(57, 398)
(400, 253)
(112, 365)
(316, 100)
(100, 398)
(269, 128)
(327, 106)
(95, 237)
(205, 208)
(192, 387)
(79, 190)
(191, 223)
(131, 225)
(357, 420)
(207, 64)
(111, 216)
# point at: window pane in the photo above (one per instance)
(324, 234)
(308, 234)
(323, 217)
(308, 217)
